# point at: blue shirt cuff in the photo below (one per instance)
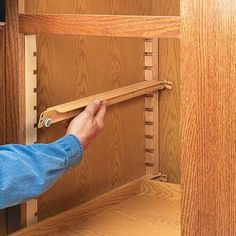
(73, 148)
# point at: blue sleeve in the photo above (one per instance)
(28, 171)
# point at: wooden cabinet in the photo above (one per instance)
(117, 188)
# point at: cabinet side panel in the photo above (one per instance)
(73, 67)
(208, 103)
(169, 101)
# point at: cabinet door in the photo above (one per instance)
(208, 71)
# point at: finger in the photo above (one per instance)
(100, 116)
(93, 107)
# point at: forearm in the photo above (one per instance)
(28, 171)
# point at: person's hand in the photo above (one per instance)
(89, 123)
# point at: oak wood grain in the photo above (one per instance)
(208, 113)
(15, 101)
(15, 85)
(169, 101)
(142, 207)
(101, 25)
(71, 67)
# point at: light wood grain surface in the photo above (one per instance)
(151, 102)
(153, 210)
(208, 113)
(71, 67)
(101, 25)
(31, 112)
(169, 101)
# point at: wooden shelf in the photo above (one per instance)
(102, 25)
(141, 207)
(68, 110)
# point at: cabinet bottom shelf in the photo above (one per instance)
(141, 207)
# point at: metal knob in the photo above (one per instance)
(47, 122)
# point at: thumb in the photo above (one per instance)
(93, 107)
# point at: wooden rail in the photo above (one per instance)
(101, 25)
(68, 110)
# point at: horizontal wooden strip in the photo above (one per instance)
(68, 110)
(101, 25)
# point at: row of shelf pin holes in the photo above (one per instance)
(149, 109)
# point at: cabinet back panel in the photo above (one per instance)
(70, 67)
(74, 67)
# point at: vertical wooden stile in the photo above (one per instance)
(31, 112)
(15, 95)
(208, 118)
(151, 108)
